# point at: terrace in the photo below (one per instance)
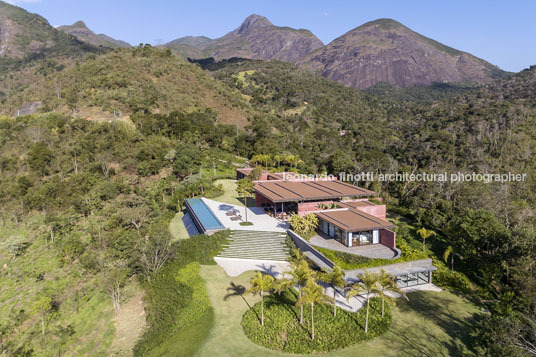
(372, 251)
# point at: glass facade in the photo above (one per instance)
(413, 279)
(361, 238)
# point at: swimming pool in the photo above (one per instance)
(202, 216)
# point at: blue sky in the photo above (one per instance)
(501, 32)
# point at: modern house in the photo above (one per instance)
(344, 210)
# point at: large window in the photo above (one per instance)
(362, 238)
(340, 236)
(413, 279)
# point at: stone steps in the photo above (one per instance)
(256, 245)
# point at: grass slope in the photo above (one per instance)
(433, 324)
(82, 321)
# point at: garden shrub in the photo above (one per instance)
(178, 310)
(448, 278)
(283, 332)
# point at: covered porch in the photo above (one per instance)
(373, 251)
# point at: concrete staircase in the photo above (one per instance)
(256, 245)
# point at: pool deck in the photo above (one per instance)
(261, 221)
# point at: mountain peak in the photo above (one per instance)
(254, 21)
(384, 23)
(80, 24)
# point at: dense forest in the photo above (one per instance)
(93, 198)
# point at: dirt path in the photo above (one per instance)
(129, 325)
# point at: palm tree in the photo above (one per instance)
(368, 286)
(245, 188)
(425, 234)
(300, 274)
(260, 284)
(336, 280)
(451, 252)
(386, 283)
(313, 294)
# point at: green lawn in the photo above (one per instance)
(430, 324)
(177, 229)
(229, 195)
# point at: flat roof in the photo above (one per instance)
(351, 220)
(398, 269)
(355, 204)
(245, 170)
(291, 191)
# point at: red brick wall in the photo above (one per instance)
(388, 238)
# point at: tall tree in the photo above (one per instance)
(245, 189)
(450, 252)
(387, 283)
(335, 278)
(261, 284)
(43, 307)
(368, 285)
(425, 234)
(298, 275)
(313, 294)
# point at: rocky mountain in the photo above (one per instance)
(384, 50)
(23, 33)
(255, 38)
(84, 34)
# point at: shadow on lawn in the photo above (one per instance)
(238, 290)
(441, 311)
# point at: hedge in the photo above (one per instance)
(179, 315)
(283, 332)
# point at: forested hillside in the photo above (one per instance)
(490, 130)
(86, 202)
(120, 83)
(85, 208)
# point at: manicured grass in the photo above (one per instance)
(346, 261)
(229, 194)
(177, 229)
(283, 332)
(349, 261)
(430, 324)
(180, 329)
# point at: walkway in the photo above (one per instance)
(256, 215)
(372, 251)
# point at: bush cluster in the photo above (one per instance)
(283, 332)
(178, 309)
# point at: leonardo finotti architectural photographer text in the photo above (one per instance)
(433, 177)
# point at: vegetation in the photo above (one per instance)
(283, 332)
(425, 234)
(81, 196)
(245, 189)
(336, 280)
(260, 284)
(178, 310)
(349, 261)
(434, 323)
(305, 226)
